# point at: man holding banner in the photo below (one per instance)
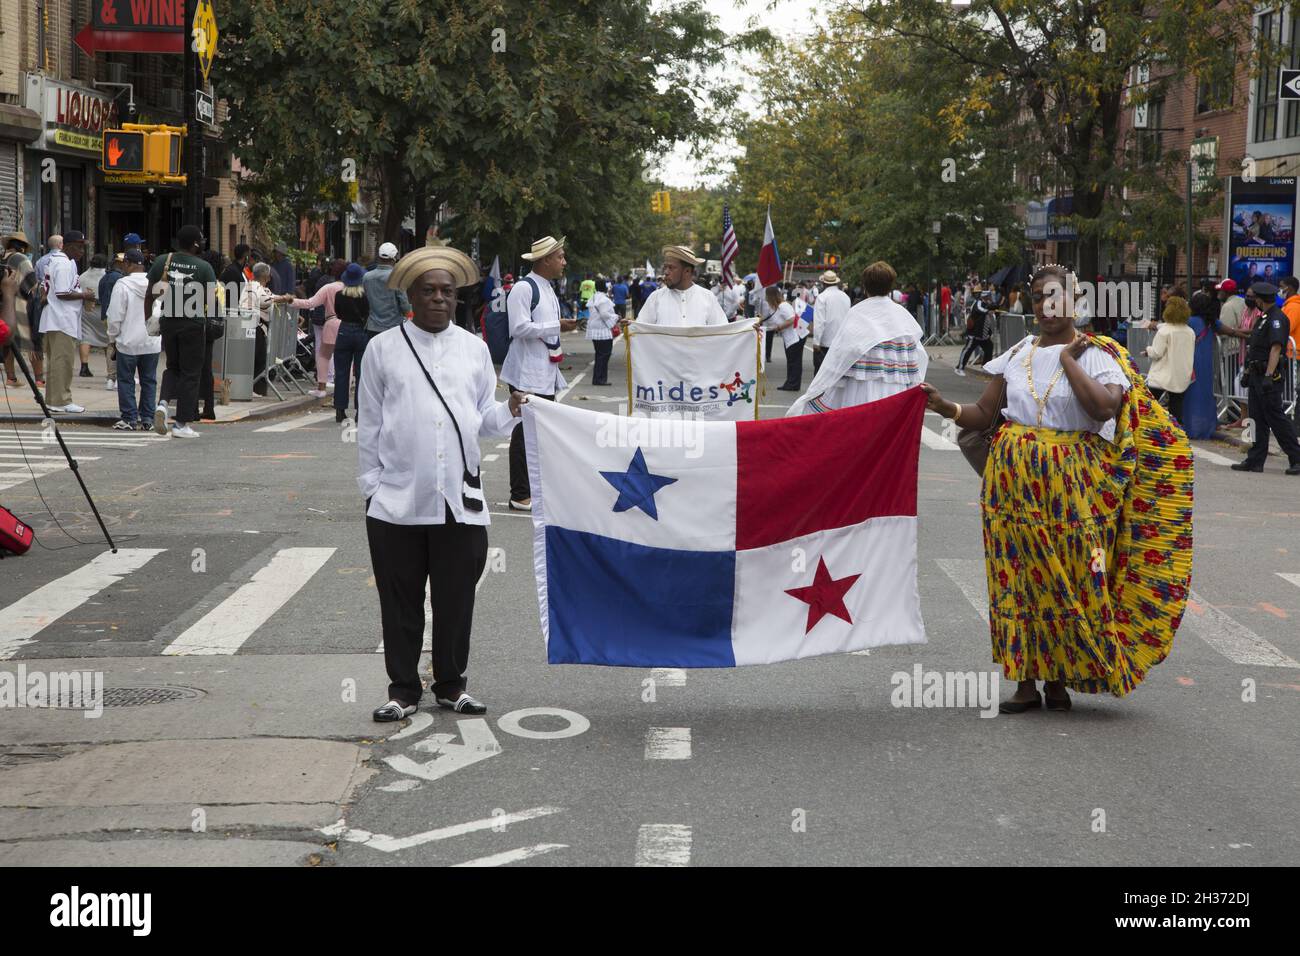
(679, 301)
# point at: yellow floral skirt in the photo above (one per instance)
(1088, 546)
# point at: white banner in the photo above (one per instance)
(709, 372)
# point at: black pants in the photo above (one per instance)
(259, 360)
(348, 349)
(207, 386)
(819, 355)
(794, 364)
(450, 558)
(984, 345)
(767, 346)
(600, 375)
(521, 488)
(1265, 409)
(185, 342)
(1175, 401)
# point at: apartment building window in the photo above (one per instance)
(1270, 27)
(1214, 89)
(1292, 115)
(1151, 141)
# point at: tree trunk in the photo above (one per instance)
(394, 188)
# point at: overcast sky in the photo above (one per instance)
(788, 18)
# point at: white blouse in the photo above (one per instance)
(409, 460)
(791, 334)
(1062, 411)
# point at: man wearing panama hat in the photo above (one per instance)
(829, 310)
(533, 363)
(425, 398)
(679, 301)
(15, 257)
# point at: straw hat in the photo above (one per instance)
(543, 247)
(683, 254)
(830, 278)
(19, 235)
(415, 264)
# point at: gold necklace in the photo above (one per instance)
(1029, 379)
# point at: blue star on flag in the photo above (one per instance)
(636, 487)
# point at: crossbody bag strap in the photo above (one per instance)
(472, 492)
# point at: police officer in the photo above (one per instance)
(1263, 379)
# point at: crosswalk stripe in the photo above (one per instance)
(514, 856)
(22, 620)
(1234, 641)
(1212, 457)
(296, 422)
(225, 628)
(932, 439)
(6, 458)
(1293, 578)
(663, 844)
(971, 579)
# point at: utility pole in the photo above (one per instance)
(192, 201)
(1190, 163)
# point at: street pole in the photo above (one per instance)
(192, 199)
(1189, 226)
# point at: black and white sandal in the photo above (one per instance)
(393, 710)
(464, 704)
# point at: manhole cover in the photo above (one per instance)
(139, 696)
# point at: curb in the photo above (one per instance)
(105, 419)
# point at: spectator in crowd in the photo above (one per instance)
(16, 258)
(285, 281)
(94, 327)
(1172, 351)
(1231, 305)
(618, 295)
(236, 273)
(137, 350)
(61, 317)
(352, 309)
(1290, 288)
(182, 282)
(323, 301)
(602, 319)
(257, 296)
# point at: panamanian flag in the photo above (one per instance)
(664, 543)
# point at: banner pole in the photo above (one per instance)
(627, 344)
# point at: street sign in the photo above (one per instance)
(1204, 153)
(1140, 111)
(205, 111)
(204, 33)
(1288, 85)
(991, 238)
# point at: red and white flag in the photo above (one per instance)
(769, 260)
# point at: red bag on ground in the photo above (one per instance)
(14, 535)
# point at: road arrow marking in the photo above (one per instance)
(479, 744)
(514, 856)
(389, 844)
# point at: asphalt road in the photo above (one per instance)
(798, 763)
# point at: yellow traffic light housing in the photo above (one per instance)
(140, 153)
(666, 203)
(654, 202)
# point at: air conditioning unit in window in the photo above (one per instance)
(171, 100)
(115, 72)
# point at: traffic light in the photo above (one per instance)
(143, 153)
(666, 203)
(123, 152)
(654, 202)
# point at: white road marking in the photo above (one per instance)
(420, 720)
(575, 723)
(225, 628)
(504, 444)
(932, 439)
(388, 844)
(971, 579)
(479, 744)
(1234, 641)
(663, 844)
(668, 676)
(514, 856)
(60, 458)
(26, 617)
(486, 458)
(1293, 578)
(668, 743)
(427, 644)
(293, 423)
(1212, 457)
(571, 386)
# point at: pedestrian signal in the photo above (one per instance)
(123, 152)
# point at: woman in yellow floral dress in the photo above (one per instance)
(1087, 510)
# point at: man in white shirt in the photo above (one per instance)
(533, 363)
(137, 350)
(61, 320)
(428, 394)
(729, 297)
(679, 301)
(829, 310)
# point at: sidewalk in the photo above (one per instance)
(17, 404)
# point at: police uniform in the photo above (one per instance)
(1265, 391)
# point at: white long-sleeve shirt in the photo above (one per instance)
(409, 463)
(528, 366)
(791, 333)
(829, 310)
(601, 317)
(681, 307)
(126, 322)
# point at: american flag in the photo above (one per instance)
(729, 247)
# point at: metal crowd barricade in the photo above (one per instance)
(282, 364)
(1138, 340)
(1011, 328)
(1229, 394)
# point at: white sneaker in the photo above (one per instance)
(69, 408)
(184, 431)
(110, 386)
(160, 420)
(959, 372)
(316, 393)
(329, 387)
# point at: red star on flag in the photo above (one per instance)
(825, 595)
